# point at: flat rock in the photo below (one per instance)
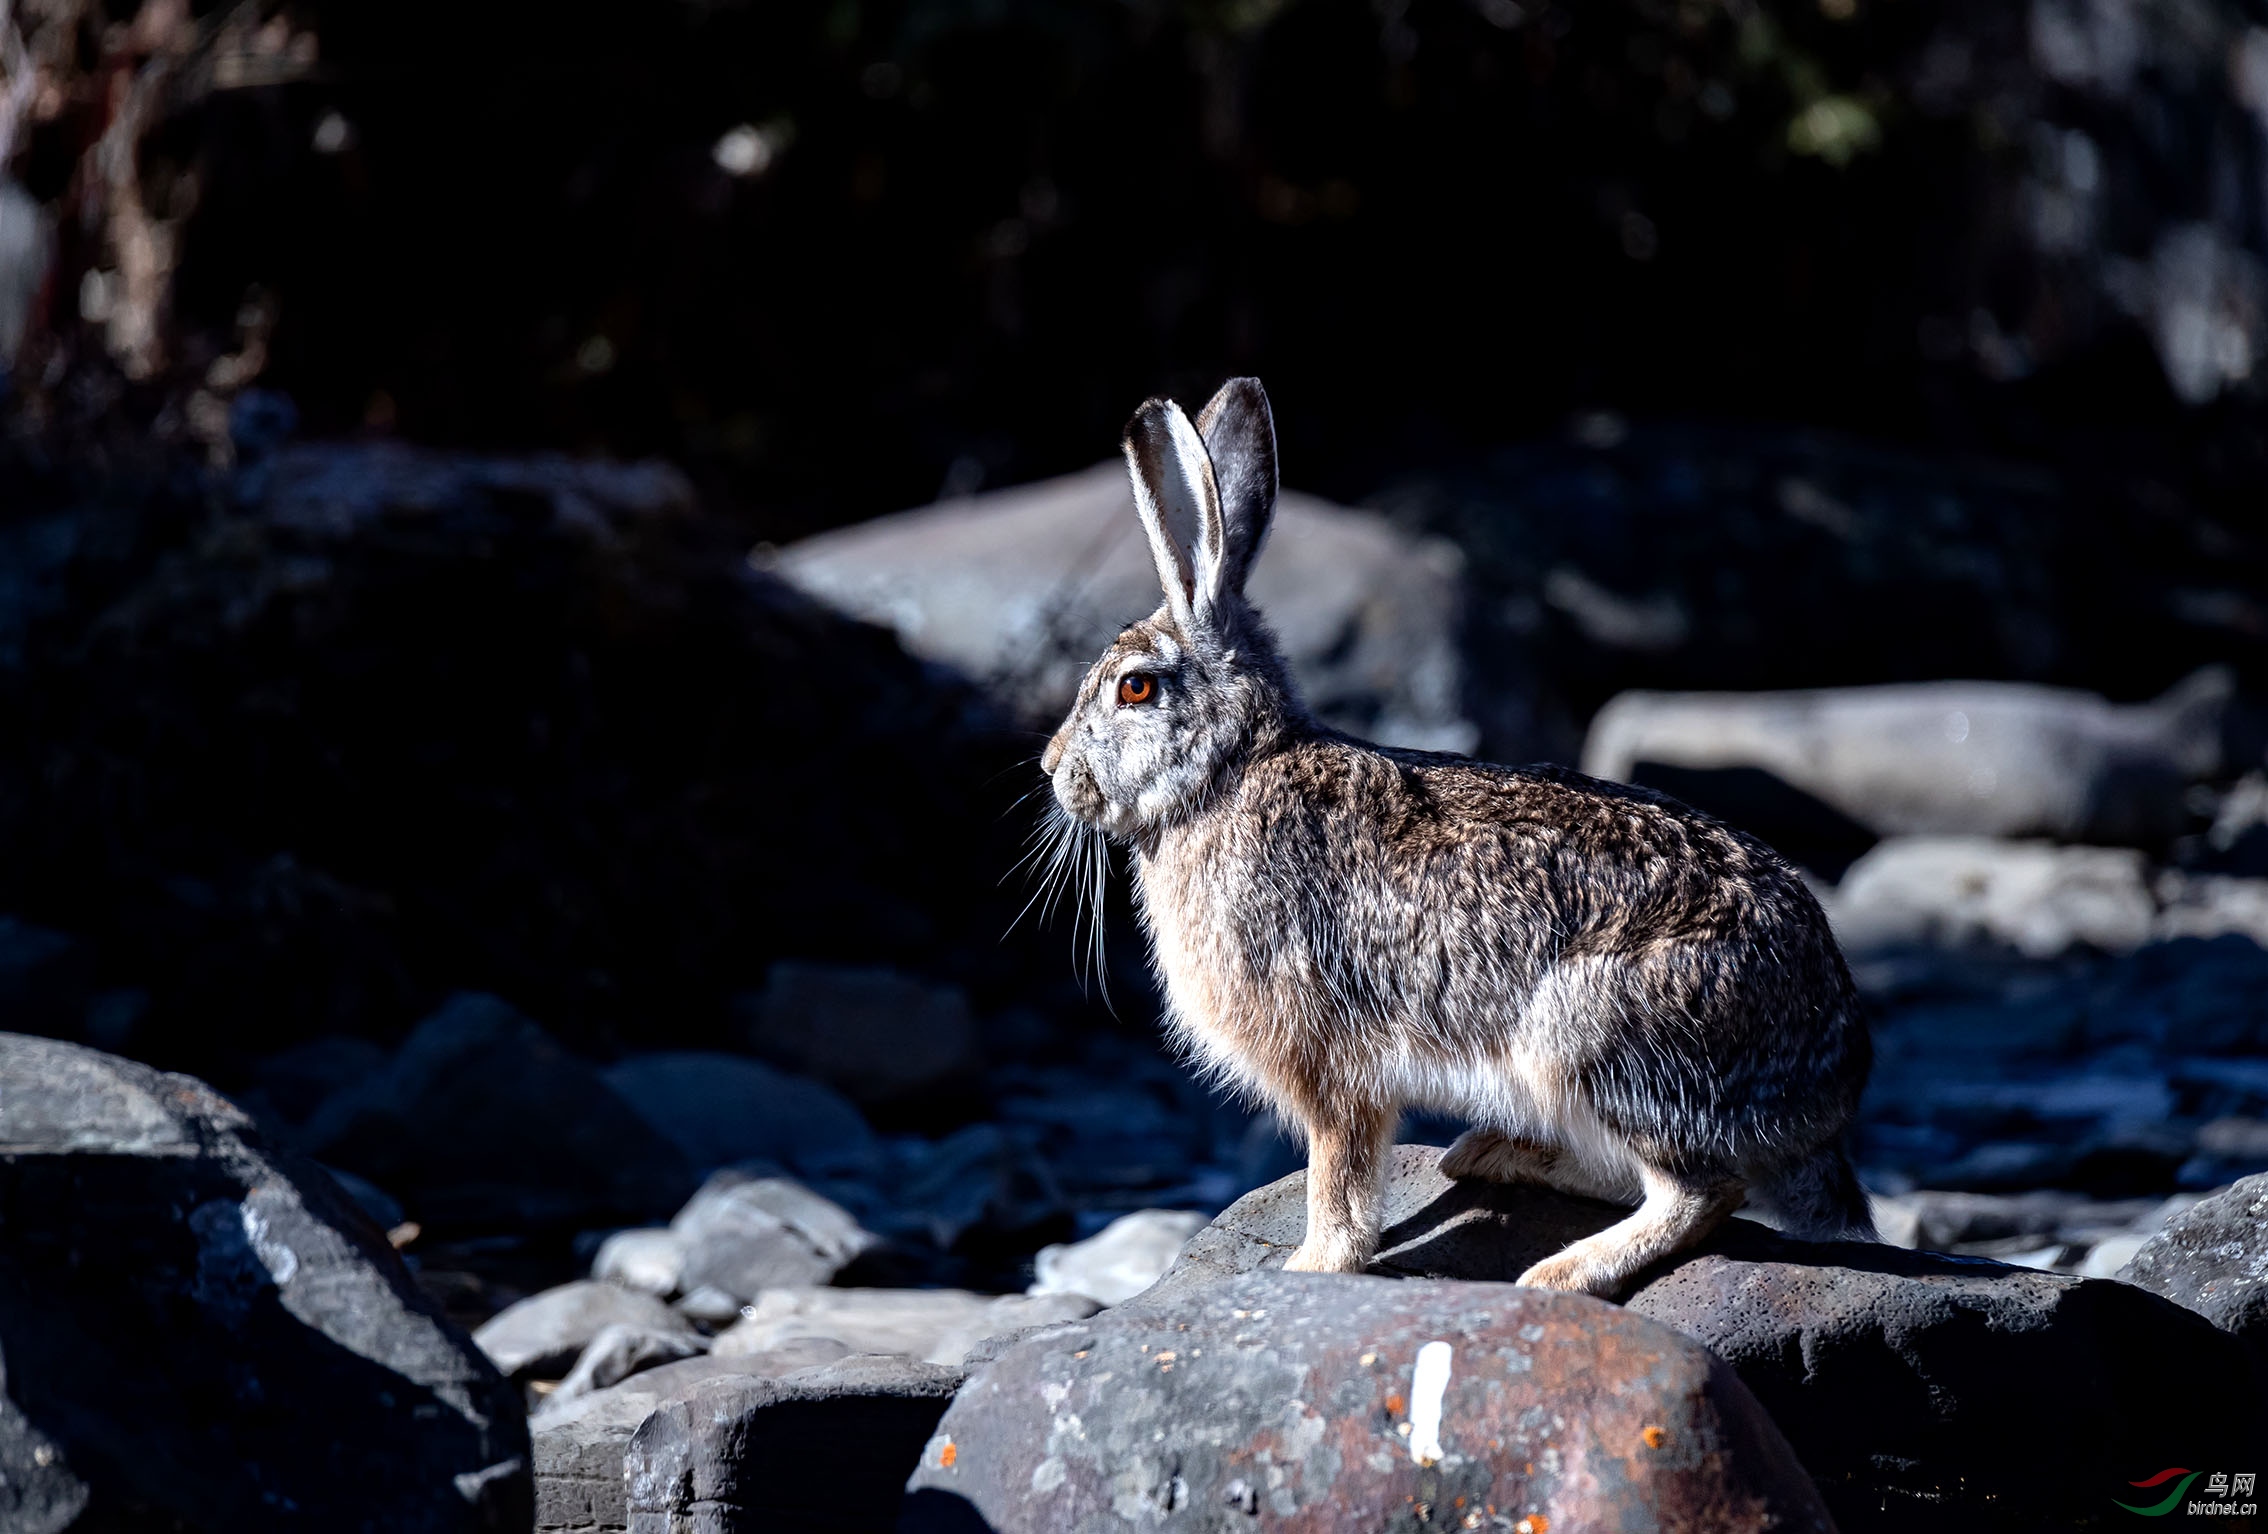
(1311, 1402)
(824, 1450)
(650, 1260)
(619, 1351)
(2213, 1259)
(744, 1234)
(1993, 759)
(937, 1325)
(199, 1328)
(541, 1336)
(720, 1109)
(1119, 1261)
(1022, 588)
(482, 1120)
(579, 1443)
(1958, 1392)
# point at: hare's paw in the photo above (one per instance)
(1327, 1257)
(1492, 1156)
(1581, 1269)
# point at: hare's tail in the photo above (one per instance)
(1821, 1200)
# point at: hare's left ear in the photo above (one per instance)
(1180, 507)
(1240, 438)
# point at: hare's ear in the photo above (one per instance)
(1240, 437)
(1180, 508)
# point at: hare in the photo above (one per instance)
(1632, 1001)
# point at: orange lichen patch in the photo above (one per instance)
(948, 1454)
(1395, 1405)
(1654, 1437)
(1534, 1523)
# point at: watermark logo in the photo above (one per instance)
(2223, 1492)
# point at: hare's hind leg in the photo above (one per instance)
(1346, 1163)
(1491, 1155)
(1678, 1212)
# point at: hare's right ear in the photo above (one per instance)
(1180, 507)
(1240, 438)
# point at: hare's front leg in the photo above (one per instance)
(1346, 1161)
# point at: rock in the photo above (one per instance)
(1022, 588)
(937, 1325)
(743, 1235)
(619, 1351)
(1952, 891)
(542, 1335)
(1119, 1261)
(819, 1451)
(650, 1261)
(482, 1120)
(719, 1109)
(580, 1442)
(199, 1328)
(878, 1037)
(1313, 1402)
(1939, 1221)
(1956, 1391)
(1995, 759)
(2213, 1259)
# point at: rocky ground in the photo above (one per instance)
(594, 939)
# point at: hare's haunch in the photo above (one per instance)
(1633, 1001)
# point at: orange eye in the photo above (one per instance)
(1137, 687)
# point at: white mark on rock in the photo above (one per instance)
(1429, 1381)
(1048, 1475)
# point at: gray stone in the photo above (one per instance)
(1996, 759)
(1956, 1391)
(651, 1261)
(542, 1335)
(1022, 588)
(1351, 1403)
(877, 1036)
(2213, 1259)
(1954, 891)
(1119, 1261)
(937, 1325)
(719, 1109)
(819, 1451)
(743, 1235)
(482, 1120)
(580, 1442)
(619, 1351)
(198, 1328)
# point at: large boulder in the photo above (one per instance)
(202, 1332)
(482, 1120)
(1330, 1403)
(2213, 1259)
(1945, 758)
(1023, 588)
(1957, 1391)
(824, 1450)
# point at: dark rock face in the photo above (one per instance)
(2214, 1260)
(203, 1333)
(483, 1120)
(371, 724)
(820, 1451)
(1324, 1403)
(881, 1039)
(1957, 1391)
(719, 1108)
